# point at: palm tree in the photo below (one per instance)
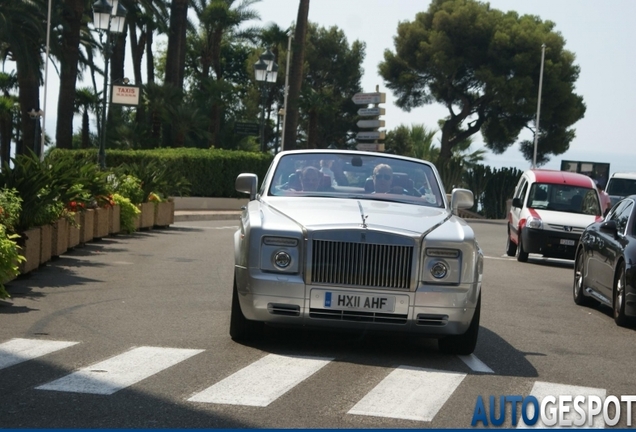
(220, 23)
(422, 140)
(8, 82)
(296, 75)
(86, 101)
(72, 14)
(21, 32)
(6, 128)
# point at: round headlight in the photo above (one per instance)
(439, 270)
(282, 259)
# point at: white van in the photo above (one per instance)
(550, 209)
(621, 185)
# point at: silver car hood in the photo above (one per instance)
(327, 213)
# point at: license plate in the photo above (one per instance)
(341, 300)
(567, 242)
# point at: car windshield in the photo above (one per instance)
(346, 175)
(621, 187)
(564, 198)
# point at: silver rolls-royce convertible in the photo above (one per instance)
(356, 240)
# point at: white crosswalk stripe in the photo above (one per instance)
(542, 389)
(475, 364)
(262, 382)
(121, 371)
(18, 350)
(406, 393)
(409, 393)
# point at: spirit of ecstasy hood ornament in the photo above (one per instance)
(364, 218)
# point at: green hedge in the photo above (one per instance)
(211, 173)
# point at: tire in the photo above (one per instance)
(578, 286)
(619, 297)
(522, 256)
(242, 329)
(463, 344)
(511, 247)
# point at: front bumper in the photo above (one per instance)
(286, 300)
(550, 243)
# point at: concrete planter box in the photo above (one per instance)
(46, 234)
(74, 232)
(30, 249)
(100, 223)
(59, 240)
(147, 215)
(164, 214)
(87, 220)
(114, 219)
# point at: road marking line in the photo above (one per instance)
(262, 382)
(503, 258)
(542, 389)
(20, 350)
(409, 393)
(475, 364)
(121, 371)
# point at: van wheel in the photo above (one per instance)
(522, 256)
(463, 344)
(242, 329)
(511, 247)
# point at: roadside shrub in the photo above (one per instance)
(9, 259)
(128, 213)
(10, 205)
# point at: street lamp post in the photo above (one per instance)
(108, 17)
(265, 72)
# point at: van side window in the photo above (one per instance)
(524, 190)
(520, 188)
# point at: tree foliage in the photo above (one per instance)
(333, 71)
(484, 65)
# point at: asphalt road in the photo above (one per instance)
(153, 310)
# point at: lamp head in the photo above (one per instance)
(101, 14)
(260, 71)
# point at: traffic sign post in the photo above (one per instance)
(371, 135)
(371, 112)
(372, 123)
(369, 98)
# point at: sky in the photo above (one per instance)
(601, 33)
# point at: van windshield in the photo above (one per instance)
(564, 198)
(621, 187)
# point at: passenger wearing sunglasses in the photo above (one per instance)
(382, 179)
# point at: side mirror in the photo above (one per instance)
(247, 183)
(609, 226)
(516, 202)
(461, 199)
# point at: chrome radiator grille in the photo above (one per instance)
(361, 264)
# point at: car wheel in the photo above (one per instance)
(511, 247)
(463, 344)
(619, 297)
(522, 256)
(240, 327)
(578, 288)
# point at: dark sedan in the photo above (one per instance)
(605, 267)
